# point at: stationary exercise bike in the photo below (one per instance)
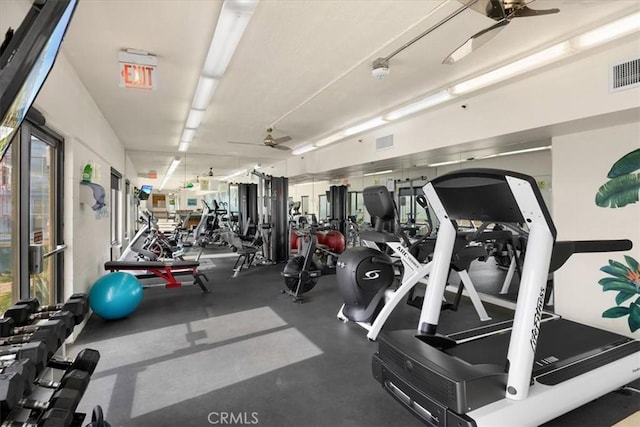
(366, 275)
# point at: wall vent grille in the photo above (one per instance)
(384, 142)
(624, 75)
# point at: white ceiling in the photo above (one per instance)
(303, 66)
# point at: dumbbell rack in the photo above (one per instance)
(38, 389)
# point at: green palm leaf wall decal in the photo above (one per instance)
(627, 164)
(619, 191)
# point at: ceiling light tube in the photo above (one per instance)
(204, 92)
(194, 118)
(233, 175)
(608, 32)
(509, 153)
(378, 173)
(451, 162)
(233, 20)
(423, 104)
(172, 167)
(187, 135)
(328, 140)
(525, 64)
(183, 146)
(303, 149)
(370, 124)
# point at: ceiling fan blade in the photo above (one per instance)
(475, 41)
(281, 140)
(527, 11)
(281, 147)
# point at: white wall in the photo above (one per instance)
(581, 162)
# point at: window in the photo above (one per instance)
(323, 210)
(7, 235)
(304, 205)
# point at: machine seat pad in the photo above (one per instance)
(146, 265)
(378, 236)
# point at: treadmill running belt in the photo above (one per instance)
(560, 342)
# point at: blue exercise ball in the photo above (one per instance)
(115, 295)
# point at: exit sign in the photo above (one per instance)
(136, 76)
(137, 69)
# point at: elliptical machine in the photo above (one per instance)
(366, 275)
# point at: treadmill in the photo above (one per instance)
(535, 369)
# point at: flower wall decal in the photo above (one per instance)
(622, 189)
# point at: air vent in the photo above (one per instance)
(384, 143)
(624, 75)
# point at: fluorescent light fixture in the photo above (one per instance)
(183, 146)
(509, 153)
(194, 118)
(525, 64)
(187, 135)
(172, 168)
(378, 173)
(233, 175)
(369, 124)
(423, 104)
(451, 162)
(608, 32)
(204, 92)
(328, 140)
(303, 149)
(257, 166)
(233, 20)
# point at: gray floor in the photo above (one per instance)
(245, 354)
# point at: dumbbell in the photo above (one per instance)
(45, 336)
(86, 360)
(64, 399)
(26, 368)
(22, 314)
(8, 327)
(11, 391)
(69, 392)
(77, 304)
(34, 351)
(55, 417)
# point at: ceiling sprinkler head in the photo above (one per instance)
(380, 68)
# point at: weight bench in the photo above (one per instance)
(163, 270)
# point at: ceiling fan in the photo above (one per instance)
(502, 11)
(269, 141)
